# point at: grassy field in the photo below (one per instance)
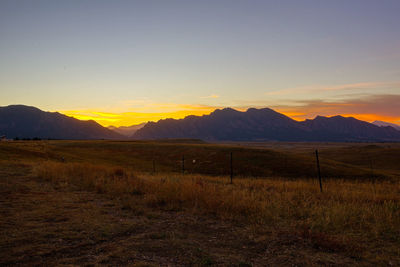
(100, 202)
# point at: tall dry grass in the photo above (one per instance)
(360, 210)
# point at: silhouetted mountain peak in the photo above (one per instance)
(260, 110)
(332, 119)
(224, 111)
(21, 108)
(27, 122)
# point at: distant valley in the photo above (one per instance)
(127, 131)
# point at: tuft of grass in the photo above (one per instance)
(206, 261)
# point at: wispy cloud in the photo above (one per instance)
(100, 117)
(106, 115)
(210, 96)
(334, 88)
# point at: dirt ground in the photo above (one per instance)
(46, 224)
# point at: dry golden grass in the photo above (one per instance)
(348, 216)
(277, 220)
(337, 161)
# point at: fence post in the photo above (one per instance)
(154, 166)
(319, 170)
(231, 168)
(372, 168)
(183, 164)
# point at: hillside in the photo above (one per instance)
(18, 121)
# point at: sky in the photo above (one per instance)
(127, 62)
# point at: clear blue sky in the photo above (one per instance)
(147, 56)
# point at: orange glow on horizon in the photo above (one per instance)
(136, 117)
(142, 115)
(297, 116)
(374, 117)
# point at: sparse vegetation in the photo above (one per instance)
(354, 219)
(336, 220)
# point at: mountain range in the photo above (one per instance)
(266, 125)
(18, 121)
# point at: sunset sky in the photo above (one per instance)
(126, 62)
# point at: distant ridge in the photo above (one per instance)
(266, 125)
(385, 124)
(19, 121)
(349, 129)
(127, 131)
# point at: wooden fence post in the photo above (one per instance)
(319, 170)
(231, 168)
(372, 168)
(183, 164)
